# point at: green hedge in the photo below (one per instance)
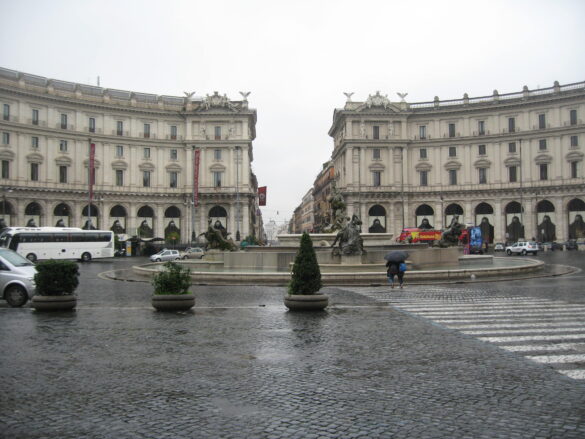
(173, 279)
(56, 277)
(306, 275)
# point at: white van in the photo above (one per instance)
(16, 278)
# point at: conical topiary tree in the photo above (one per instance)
(306, 276)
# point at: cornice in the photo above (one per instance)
(113, 108)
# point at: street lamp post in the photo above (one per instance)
(237, 193)
(193, 237)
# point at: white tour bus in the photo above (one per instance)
(58, 243)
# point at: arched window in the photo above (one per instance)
(576, 208)
(33, 209)
(6, 208)
(377, 219)
(118, 211)
(576, 205)
(484, 209)
(62, 210)
(484, 218)
(424, 209)
(173, 212)
(424, 216)
(514, 226)
(94, 210)
(217, 211)
(546, 228)
(545, 206)
(454, 209)
(145, 212)
(513, 207)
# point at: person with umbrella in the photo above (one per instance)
(396, 266)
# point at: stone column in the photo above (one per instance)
(499, 223)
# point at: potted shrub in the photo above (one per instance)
(171, 288)
(55, 283)
(305, 282)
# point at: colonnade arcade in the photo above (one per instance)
(549, 220)
(169, 222)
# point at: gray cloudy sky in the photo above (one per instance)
(297, 58)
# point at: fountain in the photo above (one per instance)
(357, 260)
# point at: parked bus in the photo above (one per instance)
(58, 243)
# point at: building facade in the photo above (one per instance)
(145, 149)
(512, 163)
(322, 188)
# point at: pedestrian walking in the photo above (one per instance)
(396, 269)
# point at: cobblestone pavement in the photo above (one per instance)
(477, 360)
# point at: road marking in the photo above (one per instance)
(544, 331)
(549, 330)
(547, 347)
(557, 358)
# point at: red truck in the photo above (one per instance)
(414, 235)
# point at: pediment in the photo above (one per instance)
(423, 166)
(543, 159)
(35, 157)
(174, 167)
(482, 163)
(452, 165)
(146, 166)
(217, 167)
(119, 164)
(6, 155)
(574, 156)
(63, 161)
(512, 161)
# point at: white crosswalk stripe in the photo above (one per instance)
(545, 331)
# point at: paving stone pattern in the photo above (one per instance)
(241, 366)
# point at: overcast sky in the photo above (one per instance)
(297, 58)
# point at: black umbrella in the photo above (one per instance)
(396, 256)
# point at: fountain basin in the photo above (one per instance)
(203, 272)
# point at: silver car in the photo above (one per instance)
(193, 253)
(166, 255)
(16, 277)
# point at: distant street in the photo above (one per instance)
(478, 360)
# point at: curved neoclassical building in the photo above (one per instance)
(145, 154)
(512, 163)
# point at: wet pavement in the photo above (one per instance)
(480, 359)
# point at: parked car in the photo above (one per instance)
(16, 278)
(193, 253)
(499, 247)
(165, 255)
(522, 248)
(571, 244)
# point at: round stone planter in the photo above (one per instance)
(306, 302)
(54, 303)
(173, 302)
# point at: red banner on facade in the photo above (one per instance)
(196, 177)
(91, 169)
(262, 196)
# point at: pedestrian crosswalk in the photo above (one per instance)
(545, 331)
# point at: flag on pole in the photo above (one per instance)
(262, 196)
(196, 159)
